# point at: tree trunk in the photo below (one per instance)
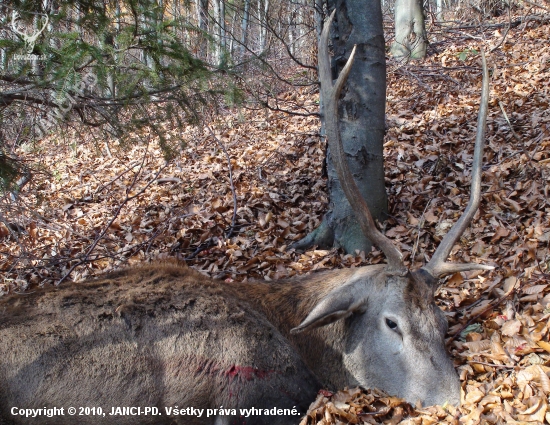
(439, 10)
(262, 22)
(291, 25)
(410, 31)
(318, 16)
(4, 35)
(146, 25)
(232, 31)
(202, 23)
(361, 111)
(301, 23)
(219, 30)
(112, 83)
(244, 29)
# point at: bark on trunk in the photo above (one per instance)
(219, 32)
(4, 35)
(244, 29)
(263, 9)
(202, 23)
(410, 31)
(361, 112)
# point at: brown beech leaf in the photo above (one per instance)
(511, 327)
(501, 232)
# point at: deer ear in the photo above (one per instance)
(337, 305)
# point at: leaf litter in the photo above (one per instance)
(498, 321)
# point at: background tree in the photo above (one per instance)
(410, 31)
(362, 124)
(115, 67)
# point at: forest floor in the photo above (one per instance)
(125, 206)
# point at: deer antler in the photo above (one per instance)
(35, 36)
(14, 17)
(29, 39)
(438, 266)
(330, 94)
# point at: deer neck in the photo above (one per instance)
(287, 302)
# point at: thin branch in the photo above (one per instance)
(420, 226)
(505, 32)
(210, 241)
(508, 121)
(233, 191)
(115, 216)
(477, 316)
(536, 5)
(499, 366)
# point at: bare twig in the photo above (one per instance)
(509, 123)
(491, 306)
(420, 226)
(536, 5)
(473, 37)
(499, 366)
(128, 168)
(210, 241)
(505, 32)
(128, 198)
(233, 192)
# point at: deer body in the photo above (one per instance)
(168, 336)
(153, 336)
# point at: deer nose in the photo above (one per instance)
(448, 391)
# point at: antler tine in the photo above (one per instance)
(438, 266)
(331, 93)
(14, 16)
(43, 28)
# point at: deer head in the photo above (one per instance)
(29, 40)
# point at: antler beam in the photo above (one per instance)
(438, 266)
(330, 94)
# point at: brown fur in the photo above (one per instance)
(165, 336)
(147, 336)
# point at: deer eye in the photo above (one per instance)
(391, 324)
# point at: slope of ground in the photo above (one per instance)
(103, 207)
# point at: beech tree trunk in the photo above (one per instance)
(263, 10)
(244, 29)
(362, 124)
(219, 31)
(203, 23)
(410, 31)
(3, 34)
